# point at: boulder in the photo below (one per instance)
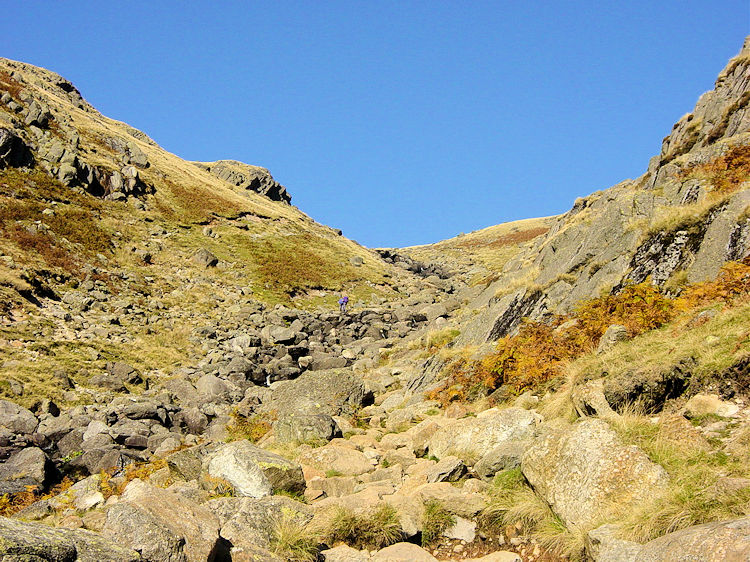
(249, 522)
(476, 435)
(253, 471)
(34, 542)
(611, 337)
(711, 542)
(344, 553)
(333, 393)
(163, 525)
(503, 457)
(245, 476)
(305, 428)
(709, 404)
(454, 499)
(27, 467)
(345, 461)
(205, 258)
(448, 469)
(582, 470)
(17, 419)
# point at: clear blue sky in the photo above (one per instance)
(401, 122)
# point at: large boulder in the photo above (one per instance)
(305, 428)
(34, 542)
(477, 435)
(254, 472)
(27, 467)
(248, 523)
(334, 392)
(163, 526)
(711, 542)
(582, 470)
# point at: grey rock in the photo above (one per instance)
(27, 467)
(305, 428)
(484, 432)
(24, 541)
(205, 258)
(612, 336)
(17, 419)
(582, 470)
(505, 456)
(163, 525)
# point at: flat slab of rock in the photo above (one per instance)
(584, 468)
(33, 541)
(483, 433)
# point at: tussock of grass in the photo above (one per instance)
(692, 497)
(435, 521)
(377, 529)
(513, 501)
(294, 541)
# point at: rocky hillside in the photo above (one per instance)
(179, 385)
(676, 224)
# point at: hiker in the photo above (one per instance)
(343, 301)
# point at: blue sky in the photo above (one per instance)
(400, 122)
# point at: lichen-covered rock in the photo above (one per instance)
(35, 542)
(343, 460)
(583, 470)
(335, 392)
(719, 541)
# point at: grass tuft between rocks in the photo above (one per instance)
(435, 521)
(513, 502)
(375, 529)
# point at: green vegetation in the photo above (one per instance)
(700, 488)
(252, 428)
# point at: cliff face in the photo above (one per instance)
(677, 223)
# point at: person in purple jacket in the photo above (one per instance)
(343, 301)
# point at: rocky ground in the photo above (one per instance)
(181, 388)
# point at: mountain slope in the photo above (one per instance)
(677, 223)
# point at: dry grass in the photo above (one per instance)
(694, 466)
(373, 530)
(294, 541)
(513, 501)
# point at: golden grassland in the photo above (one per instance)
(490, 247)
